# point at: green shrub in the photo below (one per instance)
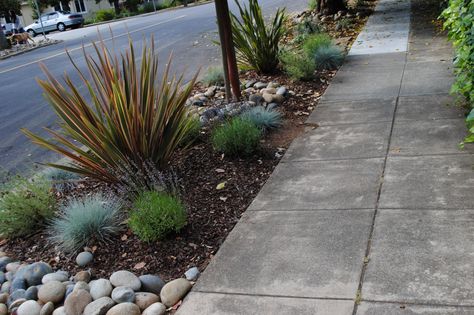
(344, 24)
(85, 221)
(313, 5)
(238, 137)
(213, 76)
(263, 118)
(316, 42)
(459, 21)
(256, 43)
(131, 117)
(165, 4)
(104, 15)
(298, 66)
(147, 7)
(328, 58)
(24, 206)
(156, 214)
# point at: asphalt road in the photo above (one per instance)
(186, 32)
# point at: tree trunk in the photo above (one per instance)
(4, 44)
(332, 6)
(117, 7)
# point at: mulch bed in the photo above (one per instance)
(212, 213)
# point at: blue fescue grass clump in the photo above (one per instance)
(213, 76)
(328, 58)
(156, 214)
(263, 118)
(56, 174)
(83, 221)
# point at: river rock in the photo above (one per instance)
(18, 283)
(31, 293)
(35, 272)
(60, 276)
(145, 299)
(124, 309)
(268, 97)
(47, 309)
(100, 288)
(81, 285)
(3, 278)
(256, 98)
(3, 298)
(59, 311)
(260, 85)
(151, 283)
(278, 98)
(3, 309)
(16, 304)
(282, 90)
(76, 302)
(52, 291)
(174, 291)
(268, 90)
(123, 294)
(13, 266)
(4, 261)
(99, 306)
(125, 278)
(29, 308)
(83, 276)
(155, 309)
(15, 295)
(250, 83)
(192, 274)
(84, 258)
(5, 287)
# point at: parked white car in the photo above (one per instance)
(57, 20)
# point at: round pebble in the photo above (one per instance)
(192, 274)
(124, 309)
(155, 309)
(100, 288)
(123, 294)
(174, 291)
(52, 291)
(47, 309)
(82, 276)
(3, 309)
(125, 278)
(31, 293)
(99, 306)
(35, 272)
(81, 285)
(56, 276)
(76, 302)
(151, 283)
(145, 299)
(59, 311)
(84, 258)
(29, 308)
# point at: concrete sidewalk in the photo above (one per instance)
(372, 213)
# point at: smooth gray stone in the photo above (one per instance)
(353, 112)
(222, 304)
(421, 256)
(341, 142)
(326, 250)
(151, 283)
(367, 308)
(428, 182)
(427, 137)
(341, 184)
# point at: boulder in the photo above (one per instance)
(35, 272)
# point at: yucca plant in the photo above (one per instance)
(131, 117)
(256, 43)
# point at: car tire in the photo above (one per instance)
(61, 27)
(31, 32)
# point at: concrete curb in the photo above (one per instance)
(32, 48)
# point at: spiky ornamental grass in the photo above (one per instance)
(130, 119)
(256, 43)
(83, 221)
(263, 118)
(328, 58)
(213, 76)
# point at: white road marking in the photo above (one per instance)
(89, 45)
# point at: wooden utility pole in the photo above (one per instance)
(231, 72)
